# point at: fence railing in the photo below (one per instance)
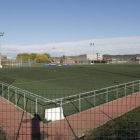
(78, 102)
(133, 87)
(7, 87)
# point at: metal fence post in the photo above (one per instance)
(2, 90)
(125, 89)
(61, 108)
(24, 102)
(94, 98)
(16, 97)
(139, 85)
(117, 92)
(8, 93)
(36, 108)
(106, 95)
(79, 103)
(132, 87)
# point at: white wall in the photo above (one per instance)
(99, 56)
(86, 57)
(92, 56)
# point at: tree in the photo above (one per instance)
(42, 58)
(64, 57)
(48, 55)
(23, 56)
(33, 56)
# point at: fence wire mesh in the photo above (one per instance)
(108, 113)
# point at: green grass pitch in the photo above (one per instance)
(56, 82)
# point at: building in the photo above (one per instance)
(135, 59)
(55, 59)
(99, 56)
(112, 61)
(3, 57)
(90, 57)
(78, 59)
(69, 60)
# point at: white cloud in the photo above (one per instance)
(124, 45)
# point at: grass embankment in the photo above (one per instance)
(124, 127)
(2, 135)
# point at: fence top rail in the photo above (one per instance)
(67, 101)
(26, 92)
(59, 99)
(91, 96)
(97, 90)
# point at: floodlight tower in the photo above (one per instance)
(1, 34)
(54, 56)
(92, 44)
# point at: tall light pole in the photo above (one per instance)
(92, 44)
(1, 34)
(54, 57)
(21, 61)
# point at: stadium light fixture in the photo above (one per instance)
(92, 44)
(1, 34)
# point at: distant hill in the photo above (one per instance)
(127, 57)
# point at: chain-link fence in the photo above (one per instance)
(26, 115)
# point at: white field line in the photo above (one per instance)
(35, 69)
(53, 70)
(80, 75)
(46, 80)
(74, 73)
(8, 73)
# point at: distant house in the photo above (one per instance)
(137, 59)
(55, 59)
(78, 58)
(69, 60)
(111, 60)
(3, 57)
(107, 59)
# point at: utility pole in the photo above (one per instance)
(1, 34)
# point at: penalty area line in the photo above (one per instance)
(47, 80)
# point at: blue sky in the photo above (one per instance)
(36, 23)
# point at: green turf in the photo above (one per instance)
(57, 82)
(70, 77)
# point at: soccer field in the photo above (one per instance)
(57, 82)
(69, 77)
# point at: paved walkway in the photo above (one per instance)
(21, 126)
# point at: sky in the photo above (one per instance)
(67, 27)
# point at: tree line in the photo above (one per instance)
(26, 57)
